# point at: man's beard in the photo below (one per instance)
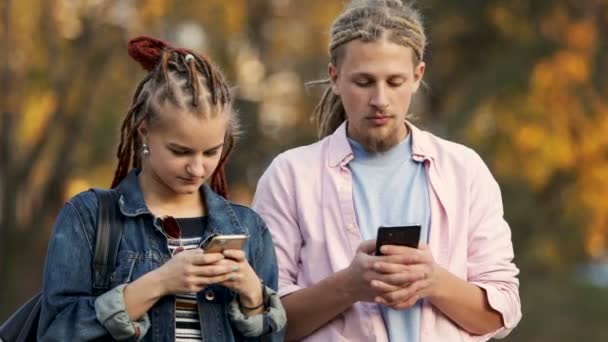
(382, 140)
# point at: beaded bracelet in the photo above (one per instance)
(250, 308)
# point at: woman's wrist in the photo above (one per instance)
(141, 294)
(253, 299)
(155, 278)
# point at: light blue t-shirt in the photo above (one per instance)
(391, 189)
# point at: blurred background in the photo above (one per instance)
(524, 83)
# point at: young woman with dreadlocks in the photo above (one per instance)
(176, 138)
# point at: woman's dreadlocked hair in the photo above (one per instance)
(184, 78)
(368, 20)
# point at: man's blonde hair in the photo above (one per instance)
(368, 20)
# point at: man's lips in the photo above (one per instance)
(379, 119)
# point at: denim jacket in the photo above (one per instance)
(72, 312)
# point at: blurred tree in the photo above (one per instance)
(57, 57)
(522, 83)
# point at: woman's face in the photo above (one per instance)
(185, 149)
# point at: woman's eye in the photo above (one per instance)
(211, 153)
(179, 152)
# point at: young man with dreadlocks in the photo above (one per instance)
(176, 136)
(324, 202)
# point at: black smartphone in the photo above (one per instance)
(408, 236)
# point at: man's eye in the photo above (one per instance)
(363, 83)
(396, 82)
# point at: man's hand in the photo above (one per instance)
(361, 273)
(407, 275)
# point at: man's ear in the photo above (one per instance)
(332, 70)
(418, 74)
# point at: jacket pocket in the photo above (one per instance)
(123, 270)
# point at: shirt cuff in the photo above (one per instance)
(112, 313)
(496, 300)
(272, 320)
(288, 289)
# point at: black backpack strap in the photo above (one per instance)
(107, 239)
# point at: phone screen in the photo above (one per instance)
(408, 236)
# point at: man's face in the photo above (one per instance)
(376, 81)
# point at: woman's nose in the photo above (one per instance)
(196, 167)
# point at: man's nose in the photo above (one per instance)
(379, 98)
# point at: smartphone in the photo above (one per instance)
(408, 236)
(220, 242)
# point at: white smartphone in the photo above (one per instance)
(219, 243)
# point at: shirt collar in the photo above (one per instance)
(422, 146)
(341, 153)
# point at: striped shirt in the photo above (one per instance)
(187, 320)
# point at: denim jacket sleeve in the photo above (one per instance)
(269, 325)
(70, 310)
(273, 318)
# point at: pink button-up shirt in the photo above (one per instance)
(306, 199)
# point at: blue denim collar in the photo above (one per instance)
(131, 200)
(221, 216)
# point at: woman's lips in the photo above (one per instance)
(189, 180)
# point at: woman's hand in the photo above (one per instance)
(190, 271)
(244, 281)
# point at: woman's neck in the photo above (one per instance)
(162, 201)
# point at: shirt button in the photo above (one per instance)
(209, 295)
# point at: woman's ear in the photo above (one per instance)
(142, 130)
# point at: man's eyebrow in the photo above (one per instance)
(362, 74)
(369, 75)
